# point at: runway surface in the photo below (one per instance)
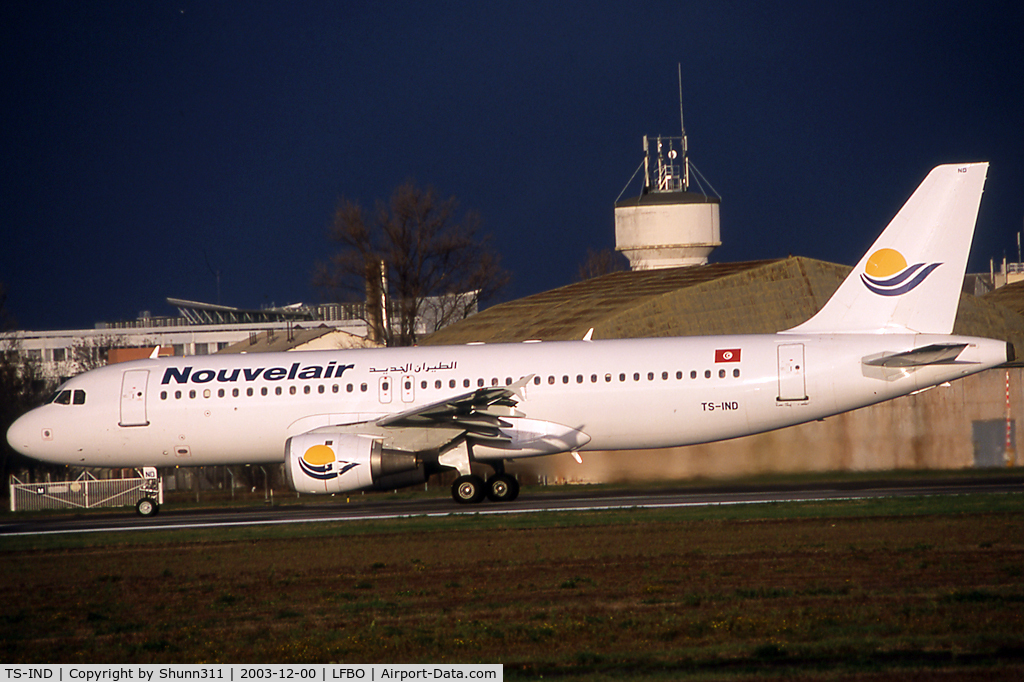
(567, 499)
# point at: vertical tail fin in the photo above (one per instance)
(910, 279)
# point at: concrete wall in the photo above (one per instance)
(954, 427)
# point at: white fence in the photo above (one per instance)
(85, 492)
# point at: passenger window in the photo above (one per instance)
(565, 378)
(579, 378)
(234, 393)
(650, 376)
(622, 377)
(735, 372)
(679, 375)
(163, 395)
(334, 388)
(664, 376)
(263, 391)
(536, 381)
(248, 392)
(220, 393)
(693, 374)
(508, 381)
(451, 383)
(177, 395)
(423, 384)
(721, 374)
(362, 387)
(480, 382)
(593, 378)
(707, 374)
(277, 390)
(465, 383)
(437, 384)
(551, 379)
(494, 381)
(348, 388)
(192, 393)
(207, 393)
(636, 376)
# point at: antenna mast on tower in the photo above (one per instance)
(682, 128)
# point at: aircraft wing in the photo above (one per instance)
(478, 413)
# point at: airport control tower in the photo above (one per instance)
(667, 225)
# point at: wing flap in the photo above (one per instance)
(475, 412)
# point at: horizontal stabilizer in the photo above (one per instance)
(935, 354)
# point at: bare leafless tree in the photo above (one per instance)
(86, 354)
(437, 265)
(600, 263)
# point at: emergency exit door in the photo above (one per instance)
(133, 398)
(792, 383)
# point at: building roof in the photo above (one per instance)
(662, 198)
(320, 338)
(197, 312)
(1010, 296)
(757, 297)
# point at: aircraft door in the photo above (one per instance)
(133, 398)
(792, 385)
(384, 389)
(408, 388)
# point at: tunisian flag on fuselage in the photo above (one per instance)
(727, 355)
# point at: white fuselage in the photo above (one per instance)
(621, 394)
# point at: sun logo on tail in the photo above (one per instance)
(887, 273)
(319, 462)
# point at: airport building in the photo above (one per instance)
(205, 328)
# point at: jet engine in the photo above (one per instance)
(335, 463)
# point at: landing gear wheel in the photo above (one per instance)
(147, 506)
(468, 489)
(502, 488)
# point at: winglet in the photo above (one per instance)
(910, 279)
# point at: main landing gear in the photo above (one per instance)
(472, 489)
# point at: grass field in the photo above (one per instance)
(916, 589)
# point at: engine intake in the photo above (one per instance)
(336, 463)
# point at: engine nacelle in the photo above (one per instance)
(336, 463)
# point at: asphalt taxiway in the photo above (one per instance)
(377, 507)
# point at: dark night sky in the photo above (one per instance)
(142, 138)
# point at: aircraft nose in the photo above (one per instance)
(23, 433)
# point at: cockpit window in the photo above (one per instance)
(68, 397)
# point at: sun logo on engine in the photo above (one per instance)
(887, 274)
(319, 462)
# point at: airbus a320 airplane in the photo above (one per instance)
(386, 418)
